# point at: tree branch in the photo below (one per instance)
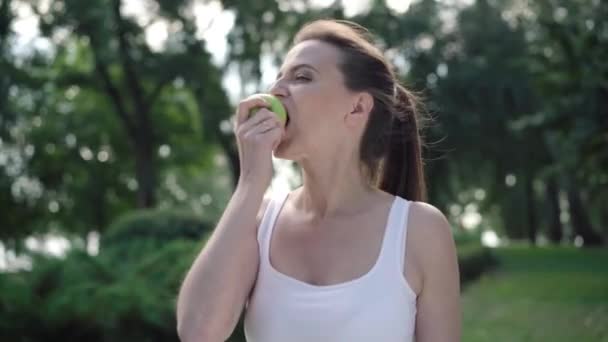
(127, 63)
(114, 94)
(157, 90)
(5, 20)
(108, 86)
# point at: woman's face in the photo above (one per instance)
(311, 86)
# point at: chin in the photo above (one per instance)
(280, 154)
(282, 151)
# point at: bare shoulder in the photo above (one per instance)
(428, 220)
(430, 237)
(438, 303)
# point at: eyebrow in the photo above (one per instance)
(296, 67)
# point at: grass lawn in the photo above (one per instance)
(539, 294)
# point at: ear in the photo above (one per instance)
(362, 106)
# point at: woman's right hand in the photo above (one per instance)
(257, 136)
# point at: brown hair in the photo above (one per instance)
(391, 145)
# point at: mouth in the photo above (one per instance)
(287, 116)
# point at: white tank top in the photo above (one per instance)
(378, 306)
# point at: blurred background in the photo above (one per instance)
(117, 157)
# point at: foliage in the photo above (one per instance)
(158, 225)
(473, 261)
(96, 124)
(97, 298)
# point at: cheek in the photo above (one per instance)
(320, 104)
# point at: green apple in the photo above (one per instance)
(275, 106)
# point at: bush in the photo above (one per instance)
(473, 260)
(85, 297)
(126, 293)
(160, 225)
(142, 232)
(465, 237)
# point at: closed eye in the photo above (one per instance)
(302, 78)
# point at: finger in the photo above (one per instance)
(262, 116)
(263, 127)
(245, 107)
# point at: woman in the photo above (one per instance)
(354, 254)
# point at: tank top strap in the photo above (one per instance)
(268, 220)
(394, 248)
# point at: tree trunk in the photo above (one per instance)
(100, 216)
(555, 224)
(580, 221)
(144, 169)
(530, 208)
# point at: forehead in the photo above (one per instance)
(319, 54)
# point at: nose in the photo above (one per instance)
(278, 89)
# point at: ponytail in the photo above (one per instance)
(402, 170)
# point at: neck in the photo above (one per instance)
(331, 188)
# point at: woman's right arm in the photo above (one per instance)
(216, 287)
